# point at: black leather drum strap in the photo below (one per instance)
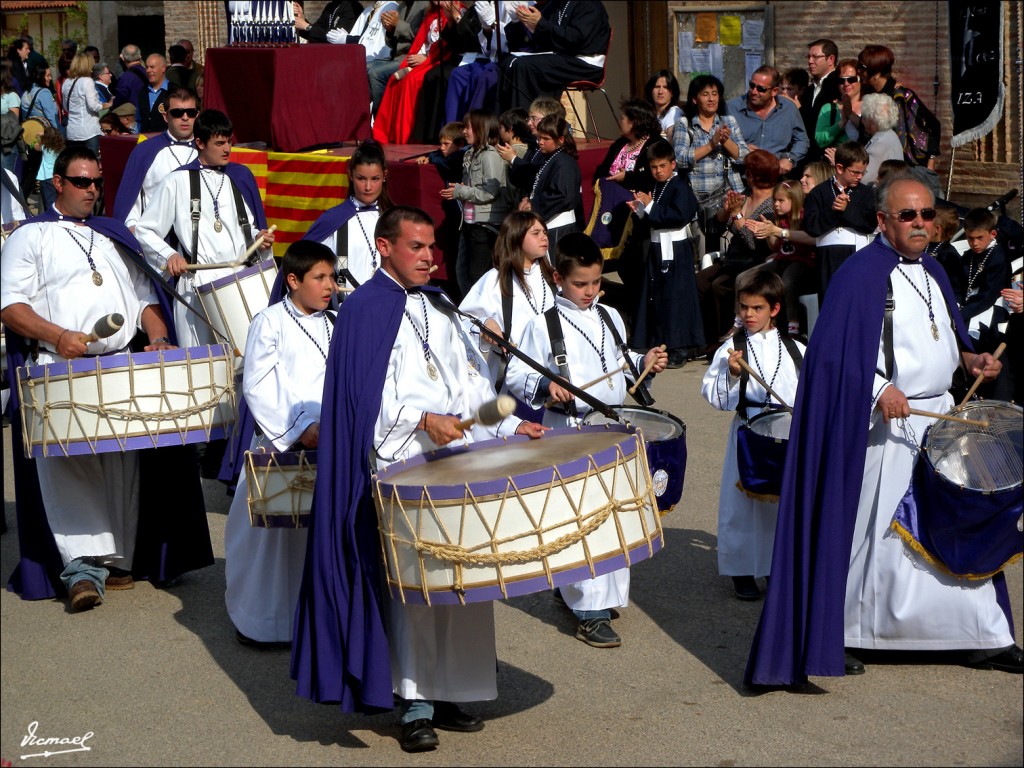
(558, 351)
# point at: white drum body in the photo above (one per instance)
(232, 302)
(513, 516)
(128, 401)
(280, 488)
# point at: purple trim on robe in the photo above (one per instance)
(331, 220)
(340, 647)
(139, 162)
(801, 630)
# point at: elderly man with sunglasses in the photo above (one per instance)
(888, 340)
(63, 271)
(769, 123)
(153, 160)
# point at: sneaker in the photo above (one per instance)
(676, 358)
(598, 633)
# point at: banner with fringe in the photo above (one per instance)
(976, 68)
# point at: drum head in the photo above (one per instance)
(657, 426)
(773, 424)
(980, 459)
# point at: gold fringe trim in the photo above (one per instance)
(616, 250)
(767, 498)
(933, 561)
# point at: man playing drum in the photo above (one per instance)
(889, 339)
(399, 372)
(62, 271)
(219, 228)
(153, 160)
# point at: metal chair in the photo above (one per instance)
(587, 87)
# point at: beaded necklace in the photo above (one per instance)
(327, 329)
(540, 173)
(599, 351)
(927, 301)
(218, 225)
(760, 370)
(974, 273)
(424, 338)
(97, 278)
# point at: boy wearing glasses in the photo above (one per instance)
(230, 218)
(153, 160)
(840, 213)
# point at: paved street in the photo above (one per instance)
(157, 677)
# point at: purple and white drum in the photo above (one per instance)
(232, 302)
(280, 487)
(513, 516)
(127, 402)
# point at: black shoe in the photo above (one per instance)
(448, 717)
(676, 359)
(854, 666)
(261, 645)
(418, 736)
(1011, 660)
(556, 593)
(746, 588)
(598, 633)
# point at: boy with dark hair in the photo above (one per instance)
(746, 520)
(840, 213)
(283, 382)
(985, 271)
(590, 337)
(669, 310)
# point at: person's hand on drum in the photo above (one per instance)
(734, 363)
(531, 429)
(161, 343)
(984, 363)
(176, 265)
(310, 438)
(893, 404)
(659, 358)
(441, 428)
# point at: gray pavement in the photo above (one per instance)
(157, 677)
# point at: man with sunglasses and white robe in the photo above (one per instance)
(153, 160)
(841, 576)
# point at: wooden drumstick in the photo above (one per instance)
(237, 262)
(433, 269)
(589, 384)
(981, 378)
(647, 369)
(947, 417)
(753, 374)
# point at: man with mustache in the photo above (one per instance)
(839, 580)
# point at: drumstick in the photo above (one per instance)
(981, 378)
(490, 412)
(948, 417)
(589, 384)
(106, 326)
(433, 269)
(237, 262)
(650, 365)
(763, 383)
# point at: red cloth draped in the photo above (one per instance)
(394, 121)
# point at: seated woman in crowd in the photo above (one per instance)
(662, 91)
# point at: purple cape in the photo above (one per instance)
(801, 630)
(331, 220)
(339, 647)
(242, 178)
(173, 535)
(135, 172)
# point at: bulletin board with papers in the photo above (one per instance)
(727, 42)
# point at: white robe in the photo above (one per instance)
(171, 210)
(610, 590)
(167, 160)
(363, 258)
(92, 501)
(283, 383)
(483, 301)
(443, 652)
(894, 600)
(746, 526)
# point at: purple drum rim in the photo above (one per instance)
(513, 587)
(284, 458)
(137, 442)
(234, 277)
(498, 485)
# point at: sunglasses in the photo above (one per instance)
(180, 112)
(908, 215)
(758, 88)
(84, 182)
(849, 80)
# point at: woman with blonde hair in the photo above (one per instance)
(81, 106)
